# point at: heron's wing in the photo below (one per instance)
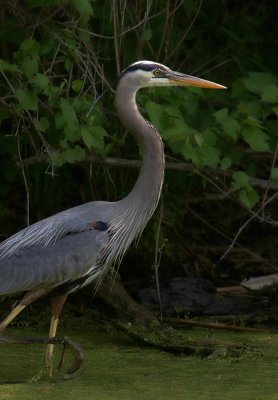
(70, 258)
(49, 230)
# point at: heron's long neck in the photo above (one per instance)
(131, 214)
(146, 191)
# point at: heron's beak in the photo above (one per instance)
(179, 79)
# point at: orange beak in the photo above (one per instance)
(179, 79)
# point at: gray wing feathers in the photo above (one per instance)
(69, 258)
(49, 230)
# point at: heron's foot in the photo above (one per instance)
(75, 348)
(78, 362)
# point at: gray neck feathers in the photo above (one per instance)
(134, 211)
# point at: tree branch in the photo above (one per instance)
(125, 163)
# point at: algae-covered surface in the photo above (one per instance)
(117, 369)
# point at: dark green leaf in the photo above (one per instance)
(231, 127)
(77, 85)
(29, 46)
(210, 155)
(274, 174)
(42, 124)
(240, 179)
(229, 124)
(6, 66)
(221, 115)
(250, 108)
(40, 81)
(30, 65)
(27, 99)
(225, 163)
(249, 197)
(93, 137)
(68, 112)
(155, 112)
(270, 93)
(275, 110)
(59, 120)
(256, 138)
(84, 8)
(74, 154)
(147, 34)
(257, 81)
(71, 132)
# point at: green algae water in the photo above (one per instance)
(117, 369)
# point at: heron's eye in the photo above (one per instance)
(156, 72)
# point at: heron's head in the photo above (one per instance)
(148, 74)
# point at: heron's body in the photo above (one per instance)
(68, 249)
(71, 249)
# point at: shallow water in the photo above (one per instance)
(117, 369)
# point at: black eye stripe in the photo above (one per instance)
(142, 66)
(147, 67)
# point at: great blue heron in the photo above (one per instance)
(68, 250)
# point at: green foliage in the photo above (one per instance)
(57, 107)
(229, 139)
(247, 194)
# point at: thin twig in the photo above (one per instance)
(116, 43)
(24, 176)
(255, 214)
(157, 256)
(134, 27)
(188, 30)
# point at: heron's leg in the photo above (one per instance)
(57, 304)
(27, 299)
